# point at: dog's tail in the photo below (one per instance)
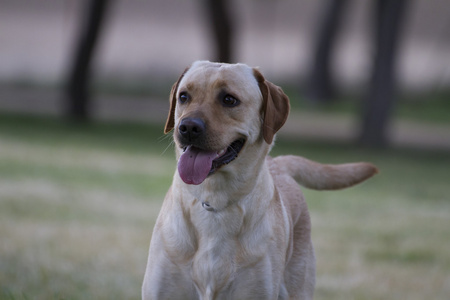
(319, 176)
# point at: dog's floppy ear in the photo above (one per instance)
(170, 122)
(275, 106)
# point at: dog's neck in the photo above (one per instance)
(226, 188)
(231, 185)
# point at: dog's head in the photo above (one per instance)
(217, 111)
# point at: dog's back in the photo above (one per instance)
(288, 172)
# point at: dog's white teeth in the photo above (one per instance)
(221, 152)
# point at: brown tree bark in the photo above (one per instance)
(320, 86)
(381, 94)
(220, 18)
(77, 90)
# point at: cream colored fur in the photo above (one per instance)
(255, 240)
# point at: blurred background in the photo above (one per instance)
(84, 164)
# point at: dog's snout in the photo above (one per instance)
(191, 128)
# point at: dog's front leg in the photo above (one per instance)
(165, 279)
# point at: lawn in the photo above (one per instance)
(78, 203)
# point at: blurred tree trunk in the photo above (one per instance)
(80, 70)
(379, 101)
(321, 87)
(219, 15)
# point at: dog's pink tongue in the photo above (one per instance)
(194, 165)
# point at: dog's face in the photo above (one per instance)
(217, 112)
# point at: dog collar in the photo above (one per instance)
(207, 206)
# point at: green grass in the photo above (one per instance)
(78, 203)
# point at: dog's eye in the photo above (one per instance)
(230, 101)
(183, 98)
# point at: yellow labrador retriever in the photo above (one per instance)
(234, 223)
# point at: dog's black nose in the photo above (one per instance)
(191, 128)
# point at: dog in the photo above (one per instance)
(234, 223)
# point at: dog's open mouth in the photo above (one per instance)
(196, 164)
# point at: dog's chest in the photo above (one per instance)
(230, 257)
(213, 268)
